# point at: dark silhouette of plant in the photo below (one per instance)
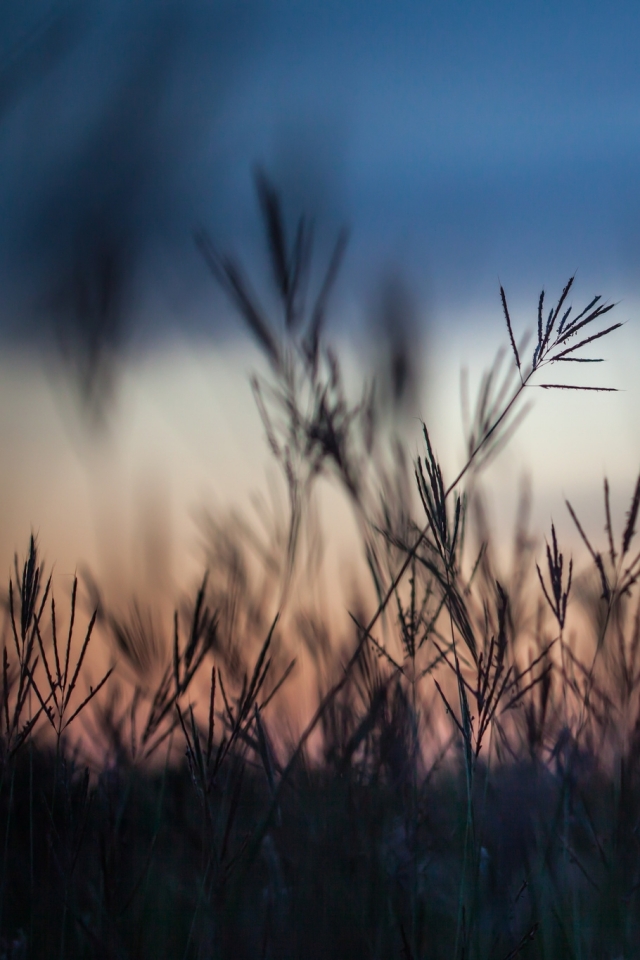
(178, 827)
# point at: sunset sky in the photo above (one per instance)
(465, 145)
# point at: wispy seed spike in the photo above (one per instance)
(92, 693)
(55, 641)
(5, 679)
(14, 628)
(587, 340)
(176, 653)
(274, 226)
(212, 701)
(572, 328)
(586, 309)
(630, 528)
(580, 530)
(563, 297)
(597, 559)
(564, 319)
(72, 615)
(608, 524)
(509, 327)
(540, 308)
(571, 386)
(83, 651)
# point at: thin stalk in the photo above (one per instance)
(474, 453)
(5, 856)
(414, 813)
(469, 826)
(31, 870)
(463, 881)
(410, 554)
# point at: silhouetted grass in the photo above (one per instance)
(467, 784)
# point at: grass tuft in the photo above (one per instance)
(467, 782)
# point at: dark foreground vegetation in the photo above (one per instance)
(468, 785)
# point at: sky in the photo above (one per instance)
(464, 145)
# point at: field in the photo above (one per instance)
(466, 782)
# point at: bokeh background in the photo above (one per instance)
(465, 145)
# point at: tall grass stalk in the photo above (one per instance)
(473, 786)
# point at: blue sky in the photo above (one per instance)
(465, 145)
(466, 141)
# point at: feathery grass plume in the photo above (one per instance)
(138, 641)
(89, 308)
(498, 684)
(617, 582)
(496, 418)
(229, 276)
(20, 678)
(377, 837)
(62, 679)
(238, 719)
(510, 328)
(310, 425)
(596, 557)
(632, 516)
(446, 533)
(135, 732)
(417, 621)
(559, 592)
(290, 266)
(623, 574)
(493, 417)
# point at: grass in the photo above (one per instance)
(467, 785)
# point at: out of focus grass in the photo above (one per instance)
(467, 785)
